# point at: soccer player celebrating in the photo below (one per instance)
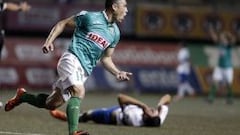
(95, 36)
(223, 72)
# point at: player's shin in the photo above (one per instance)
(73, 109)
(35, 100)
(212, 93)
(229, 94)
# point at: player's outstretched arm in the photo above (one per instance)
(213, 34)
(55, 32)
(111, 67)
(127, 100)
(23, 6)
(231, 37)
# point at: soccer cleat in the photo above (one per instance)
(15, 101)
(81, 133)
(59, 115)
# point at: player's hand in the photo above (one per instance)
(47, 47)
(123, 76)
(149, 111)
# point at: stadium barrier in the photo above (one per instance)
(183, 21)
(152, 63)
(143, 20)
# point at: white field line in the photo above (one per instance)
(16, 133)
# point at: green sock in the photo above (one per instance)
(35, 100)
(212, 93)
(73, 112)
(229, 92)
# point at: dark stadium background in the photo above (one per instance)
(152, 31)
(148, 47)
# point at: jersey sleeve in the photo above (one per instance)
(163, 114)
(79, 18)
(116, 37)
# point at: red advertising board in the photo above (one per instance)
(24, 64)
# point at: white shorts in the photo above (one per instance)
(223, 74)
(70, 72)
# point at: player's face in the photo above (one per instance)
(151, 117)
(120, 10)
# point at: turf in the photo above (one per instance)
(190, 116)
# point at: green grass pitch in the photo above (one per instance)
(191, 116)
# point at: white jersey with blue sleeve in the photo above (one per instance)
(183, 59)
(133, 115)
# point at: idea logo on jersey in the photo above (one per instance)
(101, 42)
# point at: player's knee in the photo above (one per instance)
(51, 105)
(77, 91)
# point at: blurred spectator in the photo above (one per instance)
(223, 72)
(184, 70)
(23, 6)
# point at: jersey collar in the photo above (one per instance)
(106, 17)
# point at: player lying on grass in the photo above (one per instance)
(130, 112)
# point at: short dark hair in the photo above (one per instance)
(152, 121)
(109, 3)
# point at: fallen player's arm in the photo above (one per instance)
(127, 100)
